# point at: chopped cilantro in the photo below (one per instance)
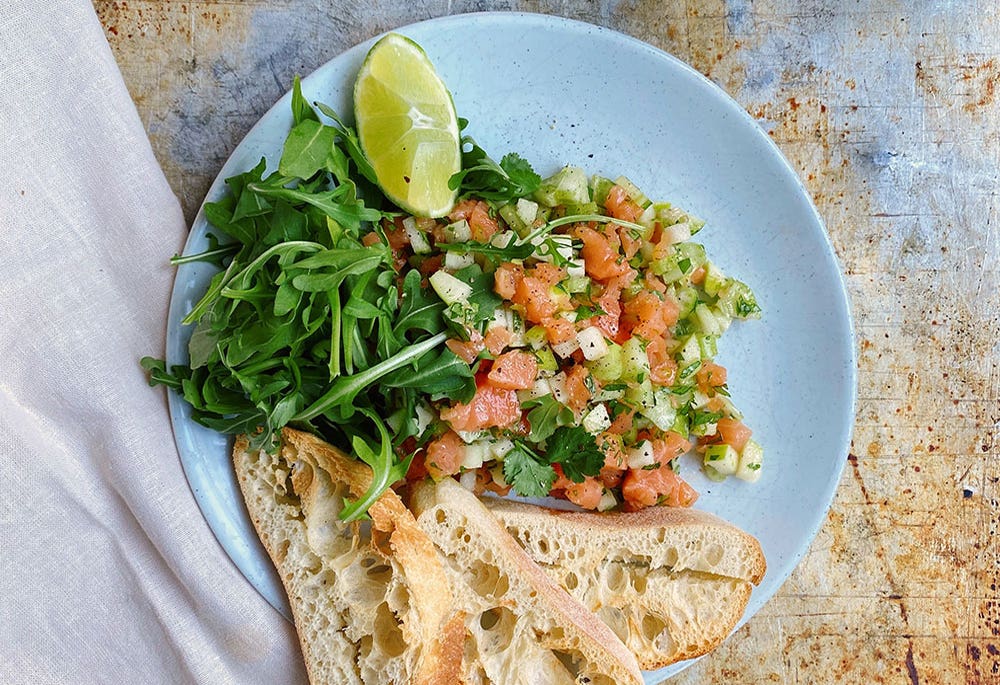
(576, 450)
(545, 416)
(701, 418)
(482, 177)
(528, 476)
(746, 308)
(689, 370)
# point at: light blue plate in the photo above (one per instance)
(563, 92)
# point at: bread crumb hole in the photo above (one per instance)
(652, 626)
(387, 634)
(616, 579)
(488, 619)
(487, 580)
(382, 572)
(440, 516)
(713, 555)
(569, 662)
(671, 556)
(571, 582)
(498, 624)
(615, 619)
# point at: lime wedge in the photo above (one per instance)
(408, 127)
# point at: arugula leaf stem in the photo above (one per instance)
(382, 470)
(522, 248)
(254, 369)
(346, 388)
(549, 226)
(213, 294)
(335, 332)
(206, 256)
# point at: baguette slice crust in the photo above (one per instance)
(371, 605)
(523, 628)
(671, 583)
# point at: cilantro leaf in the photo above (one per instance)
(481, 176)
(520, 172)
(481, 304)
(576, 450)
(546, 415)
(747, 308)
(526, 473)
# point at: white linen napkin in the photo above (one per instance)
(108, 572)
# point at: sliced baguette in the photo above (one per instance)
(523, 628)
(371, 604)
(671, 583)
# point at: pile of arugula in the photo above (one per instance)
(307, 326)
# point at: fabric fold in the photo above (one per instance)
(108, 571)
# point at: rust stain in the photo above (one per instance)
(984, 78)
(969, 81)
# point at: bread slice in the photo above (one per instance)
(523, 628)
(671, 583)
(371, 603)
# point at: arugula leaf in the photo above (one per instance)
(308, 149)
(158, 374)
(576, 450)
(342, 392)
(514, 250)
(420, 308)
(439, 375)
(529, 476)
(352, 144)
(329, 268)
(340, 204)
(216, 253)
(301, 111)
(204, 342)
(386, 470)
